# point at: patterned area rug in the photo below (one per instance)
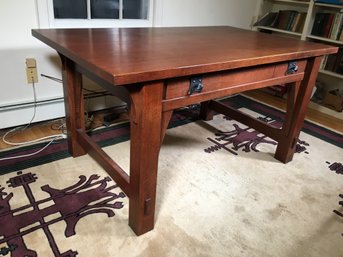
(220, 193)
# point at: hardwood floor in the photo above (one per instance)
(48, 128)
(312, 115)
(34, 131)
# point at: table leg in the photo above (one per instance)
(166, 116)
(205, 112)
(74, 107)
(292, 89)
(146, 130)
(288, 141)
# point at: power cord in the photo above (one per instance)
(26, 126)
(52, 78)
(17, 129)
(31, 154)
(85, 89)
(32, 141)
(52, 137)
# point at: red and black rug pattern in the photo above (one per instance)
(340, 214)
(338, 168)
(88, 196)
(247, 139)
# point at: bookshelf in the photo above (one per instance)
(328, 40)
(293, 2)
(307, 20)
(304, 8)
(279, 30)
(332, 74)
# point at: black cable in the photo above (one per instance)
(52, 78)
(61, 81)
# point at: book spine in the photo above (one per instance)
(334, 27)
(328, 25)
(340, 27)
(316, 24)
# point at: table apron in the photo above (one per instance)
(226, 83)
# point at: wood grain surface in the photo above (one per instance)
(131, 55)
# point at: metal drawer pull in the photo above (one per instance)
(195, 86)
(292, 68)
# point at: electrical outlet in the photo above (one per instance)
(31, 71)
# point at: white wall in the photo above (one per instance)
(18, 17)
(237, 13)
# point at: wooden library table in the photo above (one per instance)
(162, 69)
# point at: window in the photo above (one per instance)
(64, 9)
(94, 13)
(104, 9)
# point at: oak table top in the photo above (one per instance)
(131, 55)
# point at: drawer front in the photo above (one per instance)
(177, 88)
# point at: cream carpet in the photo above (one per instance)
(218, 195)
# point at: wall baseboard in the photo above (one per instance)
(18, 114)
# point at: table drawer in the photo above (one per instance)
(177, 88)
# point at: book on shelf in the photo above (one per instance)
(336, 26)
(328, 25)
(334, 62)
(268, 19)
(299, 22)
(340, 34)
(289, 20)
(285, 19)
(339, 2)
(338, 68)
(322, 22)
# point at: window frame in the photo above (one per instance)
(46, 19)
